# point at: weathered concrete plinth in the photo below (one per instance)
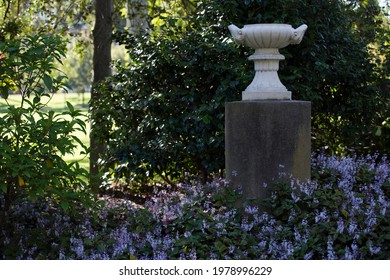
(262, 135)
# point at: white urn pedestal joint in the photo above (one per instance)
(266, 84)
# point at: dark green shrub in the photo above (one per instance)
(333, 66)
(164, 113)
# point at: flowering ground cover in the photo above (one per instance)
(342, 213)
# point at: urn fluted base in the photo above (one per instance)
(266, 84)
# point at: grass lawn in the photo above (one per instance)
(58, 103)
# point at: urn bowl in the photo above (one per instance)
(266, 36)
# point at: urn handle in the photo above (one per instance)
(298, 33)
(237, 34)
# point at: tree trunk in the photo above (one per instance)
(102, 39)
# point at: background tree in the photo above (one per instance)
(43, 16)
(102, 69)
(79, 68)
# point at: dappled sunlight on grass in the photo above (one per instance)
(58, 103)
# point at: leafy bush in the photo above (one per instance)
(343, 213)
(33, 140)
(335, 66)
(164, 112)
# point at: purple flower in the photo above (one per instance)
(219, 226)
(321, 216)
(297, 234)
(159, 255)
(246, 227)
(295, 197)
(331, 253)
(308, 255)
(251, 210)
(370, 218)
(192, 255)
(348, 254)
(373, 250)
(61, 255)
(352, 227)
(77, 246)
(355, 250)
(340, 225)
(292, 215)
(231, 249)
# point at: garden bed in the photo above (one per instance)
(342, 213)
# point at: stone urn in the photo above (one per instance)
(267, 39)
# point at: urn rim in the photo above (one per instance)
(268, 24)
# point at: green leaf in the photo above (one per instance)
(70, 106)
(378, 132)
(4, 92)
(48, 82)
(88, 241)
(101, 247)
(36, 100)
(3, 188)
(64, 205)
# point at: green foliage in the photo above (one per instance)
(164, 112)
(163, 11)
(343, 213)
(345, 202)
(78, 69)
(332, 67)
(42, 16)
(33, 140)
(68, 18)
(26, 67)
